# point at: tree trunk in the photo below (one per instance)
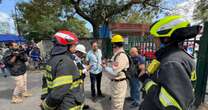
(96, 31)
(106, 44)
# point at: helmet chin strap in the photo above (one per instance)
(162, 45)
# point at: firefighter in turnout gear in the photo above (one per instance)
(62, 87)
(169, 81)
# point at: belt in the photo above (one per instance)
(117, 80)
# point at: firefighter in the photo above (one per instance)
(115, 71)
(169, 84)
(62, 83)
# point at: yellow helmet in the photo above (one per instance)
(117, 38)
(166, 26)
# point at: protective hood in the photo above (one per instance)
(58, 49)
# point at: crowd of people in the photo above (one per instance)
(167, 83)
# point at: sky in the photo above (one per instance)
(7, 6)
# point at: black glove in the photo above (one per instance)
(143, 77)
(83, 76)
(41, 107)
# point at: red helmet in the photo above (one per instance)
(66, 38)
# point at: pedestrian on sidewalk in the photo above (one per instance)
(94, 59)
(15, 59)
(2, 65)
(35, 57)
(170, 79)
(115, 71)
(134, 82)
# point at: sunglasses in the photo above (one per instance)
(114, 46)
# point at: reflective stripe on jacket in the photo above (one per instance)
(62, 84)
(170, 88)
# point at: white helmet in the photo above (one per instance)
(81, 48)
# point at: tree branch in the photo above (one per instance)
(80, 11)
(119, 9)
(157, 6)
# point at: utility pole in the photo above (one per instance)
(17, 21)
(202, 68)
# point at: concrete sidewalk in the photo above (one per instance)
(34, 85)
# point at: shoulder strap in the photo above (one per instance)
(129, 58)
(118, 55)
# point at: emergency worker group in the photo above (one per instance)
(168, 81)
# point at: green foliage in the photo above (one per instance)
(140, 13)
(99, 12)
(39, 19)
(134, 18)
(201, 11)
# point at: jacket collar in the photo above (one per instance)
(120, 50)
(58, 50)
(163, 52)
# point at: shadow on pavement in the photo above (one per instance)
(87, 94)
(105, 103)
(6, 94)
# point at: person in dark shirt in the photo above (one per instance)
(134, 81)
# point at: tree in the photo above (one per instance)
(99, 12)
(40, 19)
(103, 12)
(134, 18)
(201, 11)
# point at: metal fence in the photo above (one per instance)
(144, 44)
(148, 48)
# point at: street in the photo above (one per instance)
(34, 85)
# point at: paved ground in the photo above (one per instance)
(34, 84)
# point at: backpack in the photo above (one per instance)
(132, 70)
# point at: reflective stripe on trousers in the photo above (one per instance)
(78, 107)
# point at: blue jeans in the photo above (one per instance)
(134, 89)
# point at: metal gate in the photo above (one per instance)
(144, 44)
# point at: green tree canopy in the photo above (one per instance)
(40, 19)
(201, 10)
(99, 12)
(134, 18)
